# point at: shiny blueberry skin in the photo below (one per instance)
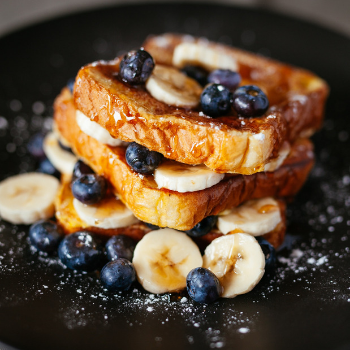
(216, 100)
(89, 189)
(35, 146)
(136, 67)
(197, 73)
(45, 235)
(47, 167)
(225, 77)
(118, 275)
(80, 168)
(81, 251)
(141, 159)
(203, 286)
(269, 252)
(120, 246)
(250, 101)
(203, 227)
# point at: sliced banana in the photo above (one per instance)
(163, 259)
(62, 160)
(256, 217)
(58, 135)
(93, 129)
(203, 54)
(238, 262)
(274, 164)
(109, 213)
(169, 85)
(27, 198)
(181, 177)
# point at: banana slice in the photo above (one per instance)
(274, 164)
(27, 198)
(169, 85)
(163, 259)
(256, 217)
(62, 160)
(109, 213)
(93, 129)
(204, 55)
(181, 177)
(58, 135)
(238, 262)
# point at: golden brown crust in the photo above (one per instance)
(167, 208)
(70, 222)
(224, 144)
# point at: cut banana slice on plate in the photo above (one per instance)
(27, 198)
(163, 259)
(169, 85)
(109, 213)
(256, 217)
(237, 261)
(181, 177)
(62, 160)
(93, 129)
(204, 55)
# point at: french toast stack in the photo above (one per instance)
(216, 180)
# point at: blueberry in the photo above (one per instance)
(80, 168)
(70, 84)
(216, 100)
(250, 101)
(203, 286)
(225, 77)
(35, 146)
(203, 227)
(47, 167)
(136, 67)
(269, 252)
(64, 147)
(118, 275)
(120, 246)
(45, 235)
(197, 73)
(89, 189)
(141, 159)
(81, 251)
(152, 227)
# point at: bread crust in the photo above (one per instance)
(226, 144)
(172, 209)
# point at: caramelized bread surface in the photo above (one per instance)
(70, 222)
(167, 208)
(226, 144)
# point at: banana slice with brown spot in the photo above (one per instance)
(238, 262)
(163, 259)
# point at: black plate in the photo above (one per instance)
(306, 305)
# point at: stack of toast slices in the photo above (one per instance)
(239, 170)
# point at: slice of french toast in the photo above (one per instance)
(227, 144)
(69, 220)
(166, 208)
